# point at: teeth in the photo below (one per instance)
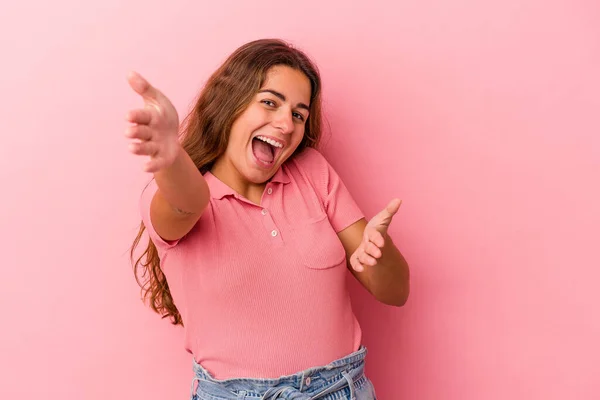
(270, 141)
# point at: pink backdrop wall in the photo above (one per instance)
(482, 116)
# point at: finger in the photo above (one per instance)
(155, 164)
(143, 148)
(141, 132)
(373, 250)
(358, 267)
(139, 116)
(366, 259)
(375, 237)
(355, 263)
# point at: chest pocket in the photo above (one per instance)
(316, 244)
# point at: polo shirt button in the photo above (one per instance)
(264, 212)
(269, 190)
(273, 233)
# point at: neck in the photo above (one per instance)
(230, 176)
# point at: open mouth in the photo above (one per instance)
(266, 150)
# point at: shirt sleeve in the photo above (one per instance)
(340, 206)
(145, 200)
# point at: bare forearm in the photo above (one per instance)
(182, 186)
(387, 276)
(390, 279)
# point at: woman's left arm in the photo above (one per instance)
(374, 259)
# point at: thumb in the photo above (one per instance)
(393, 206)
(142, 86)
(385, 216)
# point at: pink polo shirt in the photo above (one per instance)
(262, 288)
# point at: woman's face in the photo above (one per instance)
(269, 130)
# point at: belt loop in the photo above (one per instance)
(302, 381)
(241, 395)
(350, 385)
(193, 388)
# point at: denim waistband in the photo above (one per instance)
(346, 372)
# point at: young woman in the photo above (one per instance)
(252, 232)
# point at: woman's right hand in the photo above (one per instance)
(155, 128)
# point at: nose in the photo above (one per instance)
(283, 121)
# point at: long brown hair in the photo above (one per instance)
(205, 135)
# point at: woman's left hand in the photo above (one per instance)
(374, 237)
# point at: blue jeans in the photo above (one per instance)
(343, 379)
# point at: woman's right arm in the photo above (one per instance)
(181, 198)
(182, 193)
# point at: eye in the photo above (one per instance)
(269, 103)
(299, 116)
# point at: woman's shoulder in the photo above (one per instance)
(313, 167)
(310, 160)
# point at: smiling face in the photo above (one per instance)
(268, 132)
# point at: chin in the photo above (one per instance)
(257, 175)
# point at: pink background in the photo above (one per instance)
(483, 116)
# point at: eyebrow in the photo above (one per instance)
(282, 97)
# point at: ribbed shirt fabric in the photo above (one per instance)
(262, 288)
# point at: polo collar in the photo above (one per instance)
(218, 189)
